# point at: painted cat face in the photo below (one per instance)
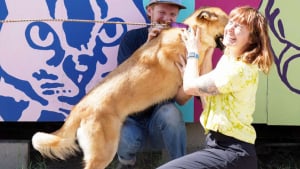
(47, 67)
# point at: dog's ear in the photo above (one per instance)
(219, 42)
(207, 16)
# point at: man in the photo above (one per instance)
(161, 125)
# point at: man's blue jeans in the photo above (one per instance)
(165, 128)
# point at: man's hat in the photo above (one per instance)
(175, 2)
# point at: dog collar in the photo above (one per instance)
(171, 25)
(178, 25)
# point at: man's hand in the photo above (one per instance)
(181, 97)
(181, 65)
(153, 32)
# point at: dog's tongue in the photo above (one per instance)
(178, 25)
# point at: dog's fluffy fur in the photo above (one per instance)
(147, 77)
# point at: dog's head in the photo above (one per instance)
(212, 21)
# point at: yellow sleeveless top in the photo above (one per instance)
(230, 112)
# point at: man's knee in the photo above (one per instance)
(170, 110)
(170, 115)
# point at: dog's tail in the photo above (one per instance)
(59, 144)
(53, 146)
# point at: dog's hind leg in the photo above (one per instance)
(99, 140)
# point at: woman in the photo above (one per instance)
(229, 90)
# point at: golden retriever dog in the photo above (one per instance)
(149, 76)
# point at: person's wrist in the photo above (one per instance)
(193, 55)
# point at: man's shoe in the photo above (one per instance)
(122, 166)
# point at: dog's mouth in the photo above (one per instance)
(219, 42)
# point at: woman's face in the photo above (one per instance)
(236, 35)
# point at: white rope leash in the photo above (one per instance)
(80, 20)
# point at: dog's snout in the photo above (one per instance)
(219, 42)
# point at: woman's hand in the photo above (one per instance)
(191, 39)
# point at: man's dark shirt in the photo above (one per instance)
(131, 41)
